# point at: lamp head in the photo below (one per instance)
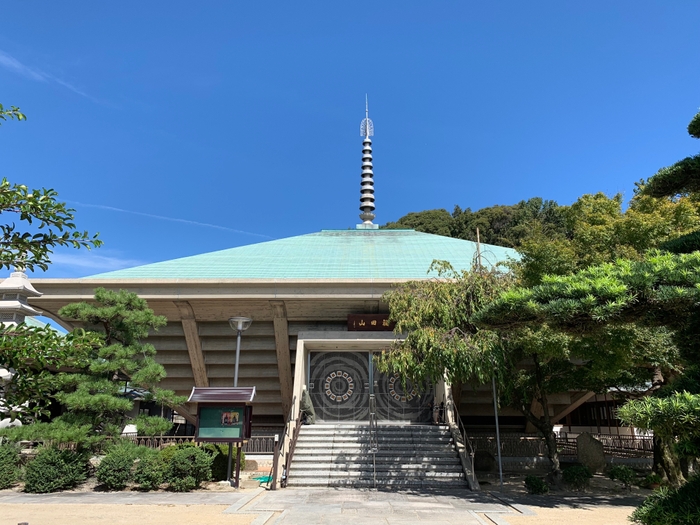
(240, 323)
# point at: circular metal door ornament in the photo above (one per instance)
(400, 396)
(339, 386)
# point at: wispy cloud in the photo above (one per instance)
(91, 260)
(171, 219)
(9, 62)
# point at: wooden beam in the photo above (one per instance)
(194, 344)
(184, 412)
(577, 402)
(284, 363)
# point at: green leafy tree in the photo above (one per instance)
(33, 224)
(443, 341)
(440, 338)
(500, 225)
(12, 113)
(663, 290)
(95, 394)
(437, 222)
(34, 356)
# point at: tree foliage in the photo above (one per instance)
(35, 223)
(95, 394)
(501, 225)
(34, 355)
(12, 113)
(436, 316)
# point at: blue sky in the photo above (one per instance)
(226, 123)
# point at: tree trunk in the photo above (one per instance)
(671, 464)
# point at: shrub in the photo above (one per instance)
(54, 470)
(114, 471)
(150, 471)
(188, 462)
(578, 477)
(651, 479)
(219, 465)
(535, 485)
(183, 484)
(622, 473)
(167, 453)
(9, 459)
(671, 506)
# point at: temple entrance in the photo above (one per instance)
(340, 384)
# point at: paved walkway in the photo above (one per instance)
(332, 506)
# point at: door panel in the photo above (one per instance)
(339, 385)
(398, 403)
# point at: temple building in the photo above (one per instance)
(317, 317)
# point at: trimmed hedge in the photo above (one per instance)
(150, 471)
(188, 467)
(114, 471)
(54, 470)
(9, 461)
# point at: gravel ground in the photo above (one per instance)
(96, 514)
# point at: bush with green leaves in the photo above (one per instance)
(188, 467)
(535, 485)
(54, 470)
(651, 479)
(219, 467)
(150, 470)
(578, 477)
(115, 469)
(622, 473)
(168, 452)
(9, 465)
(670, 506)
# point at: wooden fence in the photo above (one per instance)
(256, 444)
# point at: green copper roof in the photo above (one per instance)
(329, 254)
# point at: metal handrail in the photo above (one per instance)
(373, 435)
(293, 425)
(465, 438)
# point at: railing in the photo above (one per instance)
(287, 449)
(373, 435)
(529, 445)
(459, 436)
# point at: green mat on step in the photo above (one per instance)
(263, 479)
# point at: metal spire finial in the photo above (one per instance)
(366, 126)
(367, 184)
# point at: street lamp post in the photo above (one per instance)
(240, 325)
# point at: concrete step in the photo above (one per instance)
(368, 474)
(338, 455)
(369, 483)
(365, 470)
(315, 438)
(397, 448)
(454, 466)
(363, 451)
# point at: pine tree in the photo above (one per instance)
(95, 395)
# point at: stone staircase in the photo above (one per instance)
(410, 456)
